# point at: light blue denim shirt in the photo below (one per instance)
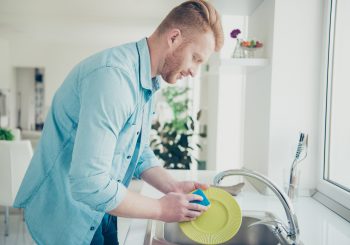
(95, 138)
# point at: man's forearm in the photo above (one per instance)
(159, 178)
(135, 205)
(172, 207)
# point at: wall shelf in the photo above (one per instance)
(236, 64)
(244, 64)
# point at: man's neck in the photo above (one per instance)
(156, 53)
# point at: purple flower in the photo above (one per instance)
(235, 33)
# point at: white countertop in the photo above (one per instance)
(318, 225)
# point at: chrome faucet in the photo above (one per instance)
(292, 230)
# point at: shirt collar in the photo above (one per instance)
(145, 74)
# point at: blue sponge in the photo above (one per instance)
(205, 201)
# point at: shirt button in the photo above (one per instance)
(128, 157)
(92, 228)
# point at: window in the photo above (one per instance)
(335, 172)
(338, 99)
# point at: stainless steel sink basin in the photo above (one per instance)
(169, 233)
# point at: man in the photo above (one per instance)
(96, 136)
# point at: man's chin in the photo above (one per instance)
(170, 80)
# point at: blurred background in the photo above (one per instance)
(238, 112)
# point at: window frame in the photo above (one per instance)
(328, 192)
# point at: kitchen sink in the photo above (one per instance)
(170, 233)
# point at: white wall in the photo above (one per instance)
(295, 86)
(229, 119)
(230, 100)
(7, 77)
(258, 93)
(261, 27)
(222, 95)
(256, 120)
(283, 98)
(5, 67)
(58, 58)
(294, 83)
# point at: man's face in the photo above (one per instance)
(187, 57)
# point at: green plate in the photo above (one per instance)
(219, 223)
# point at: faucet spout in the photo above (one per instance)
(293, 228)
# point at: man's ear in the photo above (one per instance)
(174, 38)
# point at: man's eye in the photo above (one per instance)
(195, 59)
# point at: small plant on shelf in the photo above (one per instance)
(244, 48)
(6, 134)
(251, 44)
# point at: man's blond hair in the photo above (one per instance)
(192, 16)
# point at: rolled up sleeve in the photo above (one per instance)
(147, 160)
(106, 102)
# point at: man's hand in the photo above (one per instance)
(173, 207)
(176, 207)
(188, 186)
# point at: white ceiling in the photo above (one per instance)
(93, 20)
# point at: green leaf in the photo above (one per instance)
(6, 134)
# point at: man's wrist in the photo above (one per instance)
(159, 210)
(172, 186)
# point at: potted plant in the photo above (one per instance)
(6, 134)
(172, 139)
(244, 48)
